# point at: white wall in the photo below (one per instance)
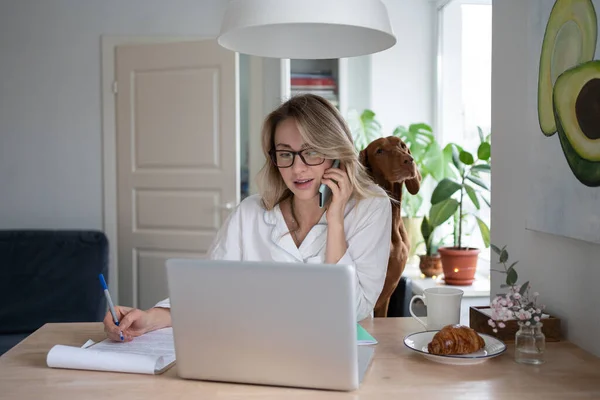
(50, 101)
(565, 272)
(402, 77)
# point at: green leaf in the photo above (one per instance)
(486, 201)
(485, 232)
(484, 151)
(524, 288)
(426, 228)
(495, 249)
(478, 181)
(433, 161)
(466, 157)
(472, 195)
(513, 265)
(420, 127)
(450, 170)
(481, 168)
(511, 277)
(481, 138)
(364, 127)
(440, 212)
(504, 256)
(444, 190)
(456, 158)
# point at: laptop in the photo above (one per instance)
(266, 323)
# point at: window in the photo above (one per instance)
(463, 82)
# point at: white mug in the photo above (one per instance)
(443, 307)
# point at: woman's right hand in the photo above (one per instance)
(133, 322)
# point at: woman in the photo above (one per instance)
(300, 140)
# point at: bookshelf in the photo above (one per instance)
(320, 77)
(345, 81)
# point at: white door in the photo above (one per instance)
(177, 158)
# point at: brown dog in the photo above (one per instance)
(390, 164)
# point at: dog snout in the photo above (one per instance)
(408, 159)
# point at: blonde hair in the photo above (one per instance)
(323, 128)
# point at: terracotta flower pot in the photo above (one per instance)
(430, 265)
(459, 265)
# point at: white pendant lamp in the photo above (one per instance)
(306, 29)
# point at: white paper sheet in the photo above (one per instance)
(148, 354)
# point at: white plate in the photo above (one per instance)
(418, 342)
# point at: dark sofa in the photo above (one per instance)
(49, 276)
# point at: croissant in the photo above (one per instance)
(455, 339)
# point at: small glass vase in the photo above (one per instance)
(530, 344)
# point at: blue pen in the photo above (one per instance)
(111, 307)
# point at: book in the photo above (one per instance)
(151, 353)
(364, 337)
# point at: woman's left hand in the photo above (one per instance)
(341, 191)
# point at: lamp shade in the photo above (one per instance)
(306, 29)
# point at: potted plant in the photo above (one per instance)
(464, 181)
(430, 263)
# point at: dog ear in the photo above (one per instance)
(364, 160)
(413, 185)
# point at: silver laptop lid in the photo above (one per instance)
(264, 323)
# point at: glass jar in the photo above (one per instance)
(530, 344)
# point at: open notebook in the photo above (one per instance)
(152, 353)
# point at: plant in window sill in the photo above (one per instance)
(463, 182)
(519, 304)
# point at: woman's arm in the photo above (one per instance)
(341, 189)
(336, 243)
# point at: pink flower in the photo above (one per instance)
(536, 318)
(522, 316)
(491, 323)
(495, 330)
(517, 296)
(501, 325)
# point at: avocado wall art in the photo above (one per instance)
(564, 191)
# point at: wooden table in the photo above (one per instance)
(395, 373)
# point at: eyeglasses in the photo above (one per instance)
(285, 158)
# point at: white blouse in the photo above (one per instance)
(252, 233)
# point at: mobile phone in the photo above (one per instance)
(324, 190)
